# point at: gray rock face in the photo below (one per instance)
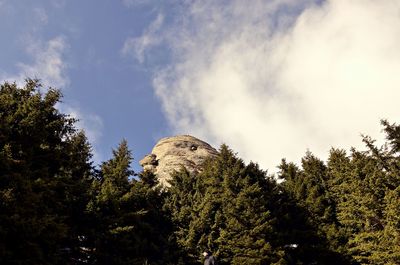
(171, 153)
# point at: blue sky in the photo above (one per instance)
(111, 94)
(271, 79)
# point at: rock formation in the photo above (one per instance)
(171, 153)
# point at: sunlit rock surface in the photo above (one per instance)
(171, 153)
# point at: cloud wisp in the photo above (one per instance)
(275, 78)
(138, 46)
(50, 67)
(48, 64)
(46, 60)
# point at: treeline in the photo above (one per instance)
(56, 207)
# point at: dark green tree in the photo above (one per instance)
(130, 225)
(234, 210)
(183, 205)
(112, 225)
(45, 173)
(313, 222)
(375, 239)
(154, 244)
(353, 200)
(223, 209)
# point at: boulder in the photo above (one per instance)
(171, 153)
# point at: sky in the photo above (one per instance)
(272, 79)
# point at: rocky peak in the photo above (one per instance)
(171, 153)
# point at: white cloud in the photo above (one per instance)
(137, 47)
(40, 15)
(275, 78)
(48, 64)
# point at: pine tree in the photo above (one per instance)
(309, 187)
(313, 222)
(43, 189)
(130, 226)
(246, 235)
(377, 237)
(226, 209)
(363, 187)
(183, 203)
(154, 228)
(112, 230)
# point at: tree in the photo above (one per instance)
(376, 237)
(353, 200)
(130, 226)
(313, 222)
(110, 192)
(231, 209)
(45, 172)
(182, 204)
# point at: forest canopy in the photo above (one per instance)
(56, 207)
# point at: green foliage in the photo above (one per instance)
(316, 230)
(55, 208)
(223, 209)
(239, 213)
(44, 178)
(376, 235)
(129, 224)
(353, 201)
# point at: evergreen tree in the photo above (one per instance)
(130, 225)
(55, 208)
(43, 187)
(247, 224)
(154, 228)
(375, 241)
(221, 209)
(308, 186)
(316, 229)
(183, 206)
(236, 211)
(353, 201)
(110, 191)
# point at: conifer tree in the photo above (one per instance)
(377, 237)
(112, 231)
(130, 225)
(153, 228)
(356, 204)
(55, 208)
(183, 204)
(237, 212)
(313, 222)
(43, 185)
(309, 188)
(245, 236)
